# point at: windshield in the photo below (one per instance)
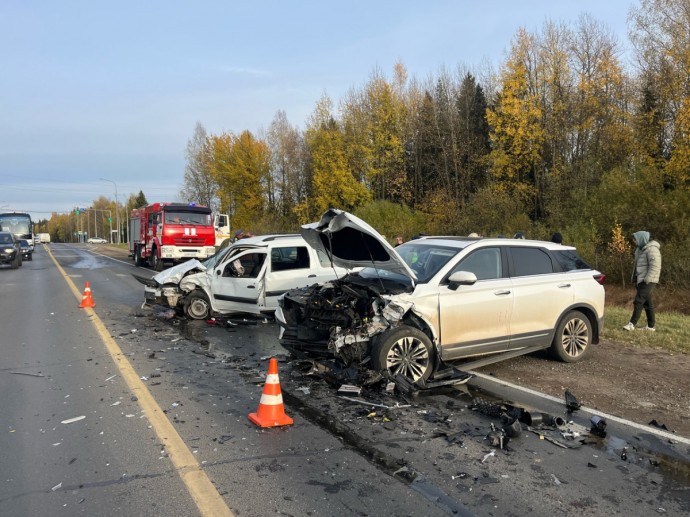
(17, 224)
(425, 259)
(180, 217)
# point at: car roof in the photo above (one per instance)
(267, 240)
(464, 242)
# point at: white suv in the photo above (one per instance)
(247, 277)
(409, 309)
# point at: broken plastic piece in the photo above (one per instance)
(75, 419)
(349, 389)
(598, 426)
(488, 408)
(487, 456)
(571, 401)
(659, 425)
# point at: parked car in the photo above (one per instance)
(97, 240)
(433, 300)
(246, 277)
(26, 249)
(10, 251)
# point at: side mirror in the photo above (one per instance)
(461, 278)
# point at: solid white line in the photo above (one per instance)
(653, 430)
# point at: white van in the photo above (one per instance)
(247, 277)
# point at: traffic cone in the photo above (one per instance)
(87, 300)
(271, 412)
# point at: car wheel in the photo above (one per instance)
(31, 257)
(156, 262)
(138, 261)
(573, 338)
(16, 263)
(404, 350)
(197, 306)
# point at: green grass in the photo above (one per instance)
(672, 330)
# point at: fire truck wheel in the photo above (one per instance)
(197, 306)
(156, 262)
(137, 257)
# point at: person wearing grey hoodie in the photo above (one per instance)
(645, 277)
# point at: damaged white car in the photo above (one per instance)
(437, 299)
(247, 277)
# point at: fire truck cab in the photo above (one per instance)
(172, 233)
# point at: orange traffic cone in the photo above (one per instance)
(271, 412)
(87, 300)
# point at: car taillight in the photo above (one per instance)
(600, 278)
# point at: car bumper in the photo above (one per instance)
(7, 258)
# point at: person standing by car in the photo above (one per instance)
(645, 277)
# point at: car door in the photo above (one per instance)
(237, 284)
(475, 319)
(541, 294)
(291, 266)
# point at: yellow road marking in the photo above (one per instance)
(203, 492)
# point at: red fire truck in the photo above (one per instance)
(171, 232)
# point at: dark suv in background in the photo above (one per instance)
(10, 251)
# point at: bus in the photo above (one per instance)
(19, 224)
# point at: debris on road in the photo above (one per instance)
(654, 423)
(571, 401)
(598, 426)
(28, 374)
(72, 420)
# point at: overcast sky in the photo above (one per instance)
(113, 90)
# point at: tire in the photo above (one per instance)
(16, 263)
(197, 306)
(138, 261)
(404, 350)
(155, 260)
(573, 339)
(21, 262)
(31, 257)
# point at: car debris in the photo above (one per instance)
(349, 389)
(28, 374)
(72, 420)
(487, 456)
(598, 426)
(571, 401)
(654, 423)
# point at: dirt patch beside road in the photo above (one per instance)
(640, 384)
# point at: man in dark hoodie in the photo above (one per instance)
(645, 277)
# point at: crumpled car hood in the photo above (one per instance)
(350, 242)
(175, 274)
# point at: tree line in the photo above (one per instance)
(560, 136)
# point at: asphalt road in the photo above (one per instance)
(56, 367)
(379, 454)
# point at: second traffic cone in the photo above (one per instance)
(271, 412)
(86, 299)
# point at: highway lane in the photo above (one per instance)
(297, 470)
(54, 370)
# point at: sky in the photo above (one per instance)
(99, 98)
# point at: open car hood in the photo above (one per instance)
(350, 242)
(175, 274)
